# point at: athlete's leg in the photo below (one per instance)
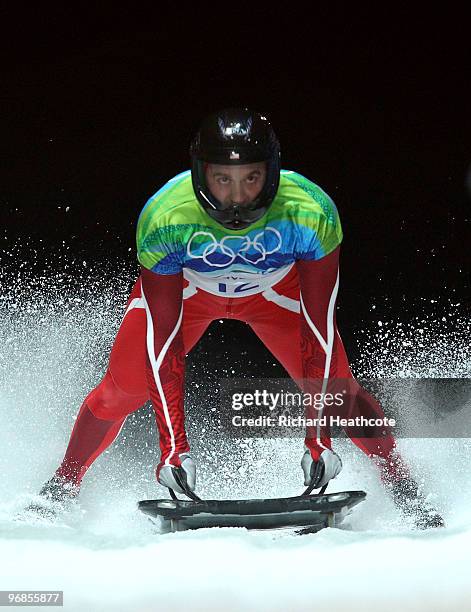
(122, 390)
(105, 408)
(274, 317)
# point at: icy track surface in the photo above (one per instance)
(54, 339)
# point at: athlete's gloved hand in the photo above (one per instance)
(319, 472)
(177, 477)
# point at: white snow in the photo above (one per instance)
(231, 569)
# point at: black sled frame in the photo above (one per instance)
(309, 513)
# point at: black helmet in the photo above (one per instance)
(235, 136)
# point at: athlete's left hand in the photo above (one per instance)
(328, 466)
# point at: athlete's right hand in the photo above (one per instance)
(177, 478)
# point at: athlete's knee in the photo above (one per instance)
(371, 431)
(107, 401)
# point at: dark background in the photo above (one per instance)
(98, 108)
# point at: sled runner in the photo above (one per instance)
(308, 512)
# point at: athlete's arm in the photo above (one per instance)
(162, 294)
(320, 342)
(318, 281)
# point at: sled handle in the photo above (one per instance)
(311, 487)
(190, 494)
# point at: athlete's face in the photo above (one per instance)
(236, 184)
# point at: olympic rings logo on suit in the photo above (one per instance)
(245, 243)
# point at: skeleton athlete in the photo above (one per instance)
(235, 237)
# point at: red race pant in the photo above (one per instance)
(274, 317)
